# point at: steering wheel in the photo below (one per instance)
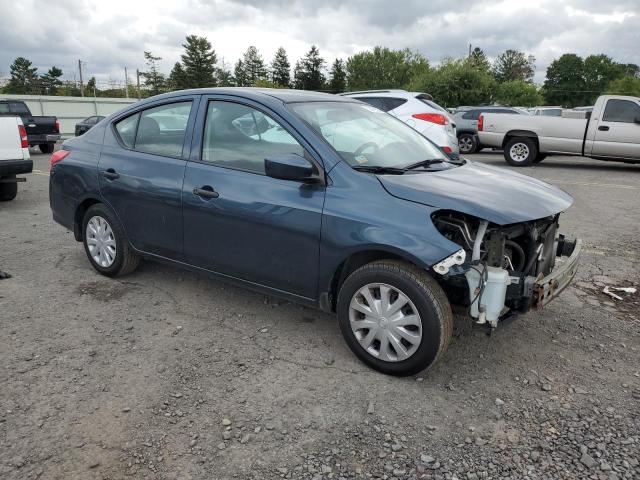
(364, 146)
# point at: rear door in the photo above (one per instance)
(141, 171)
(617, 134)
(253, 227)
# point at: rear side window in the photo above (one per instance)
(127, 129)
(240, 137)
(393, 103)
(376, 102)
(4, 108)
(162, 129)
(624, 111)
(471, 115)
(19, 107)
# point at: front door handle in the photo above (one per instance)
(206, 192)
(603, 128)
(110, 174)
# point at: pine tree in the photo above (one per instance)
(198, 63)
(514, 65)
(153, 79)
(308, 72)
(240, 75)
(254, 68)
(479, 60)
(177, 78)
(50, 81)
(281, 69)
(24, 77)
(338, 82)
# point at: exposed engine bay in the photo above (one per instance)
(503, 268)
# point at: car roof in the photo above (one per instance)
(283, 94)
(387, 93)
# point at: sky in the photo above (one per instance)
(111, 35)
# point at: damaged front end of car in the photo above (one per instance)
(502, 270)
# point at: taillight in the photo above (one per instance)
(58, 157)
(480, 123)
(432, 117)
(57, 126)
(447, 149)
(24, 141)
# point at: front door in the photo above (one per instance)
(618, 132)
(238, 221)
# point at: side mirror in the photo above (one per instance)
(290, 166)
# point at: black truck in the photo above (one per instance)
(41, 131)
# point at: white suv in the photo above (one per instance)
(417, 110)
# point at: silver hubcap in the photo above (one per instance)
(465, 144)
(100, 241)
(519, 152)
(385, 322)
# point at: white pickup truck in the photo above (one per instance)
(14, 156)
(611, 133)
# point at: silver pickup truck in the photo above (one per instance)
(611, 133)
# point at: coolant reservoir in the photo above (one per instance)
(493, 294)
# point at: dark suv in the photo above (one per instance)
(322, 200)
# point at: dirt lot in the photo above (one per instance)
(168, 374)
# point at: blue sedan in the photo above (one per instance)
(322, 200)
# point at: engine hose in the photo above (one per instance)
(521, 256)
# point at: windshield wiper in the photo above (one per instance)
(379, 169)
(424, 163)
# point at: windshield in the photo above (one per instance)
(365, 136)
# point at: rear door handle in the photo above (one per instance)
(206, 192)
(110, 174)
(603, 128)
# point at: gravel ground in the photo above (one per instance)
(167, 374)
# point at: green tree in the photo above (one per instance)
(565, 83)
(338, 75)
(154, 80)
(631, 69)
(384, 68)
(91, 88)
(479, 60)
(240, 75)
(281, 68)
(24, 77)
(225, 77)
(456, 82)
(198, 62)
(518, 93)
(254, 68)
(177, 79)
(50, 81)
(308, 72)
(514, 65)
(599, 71)
(624, 86)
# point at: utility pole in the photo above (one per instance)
(138, 82)
(469, 51)
(81, 84)
(126, 83)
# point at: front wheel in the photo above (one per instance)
(520, 151)
(46, 147)
(105, 243)
(467, 143)
(8, 191)
(394, 317)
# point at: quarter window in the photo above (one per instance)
(624, 111)
(127, 129)
(241, 137)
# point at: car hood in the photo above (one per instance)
(490, 193)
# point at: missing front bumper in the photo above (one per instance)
(549, 287)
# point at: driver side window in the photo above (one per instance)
(240, 137)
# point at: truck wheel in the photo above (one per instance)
(394, 317)
(106, 244)
(467, 143)
(520, 152)
(540, 157)
(46, 147)
(8, 191)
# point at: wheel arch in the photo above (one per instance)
(520, 133)
(78, 215)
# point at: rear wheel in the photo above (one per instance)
(8, 191)
(46, 147)
(105, 243)
(520, 151)
(394, 317)
(467, 143)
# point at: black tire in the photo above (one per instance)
(126, 260)
(426, 295)
(467, 143)
(46, 147)
(527, 148)
(8, 191)
(540, 157)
